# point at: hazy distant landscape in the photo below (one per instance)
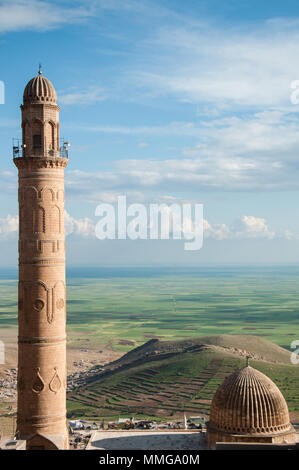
(124, 307)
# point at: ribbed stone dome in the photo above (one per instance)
(39, 90)
(248, 402)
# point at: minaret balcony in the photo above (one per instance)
(20, 150)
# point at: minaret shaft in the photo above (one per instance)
(41, 417)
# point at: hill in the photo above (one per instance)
(163, 379)
(241, 345)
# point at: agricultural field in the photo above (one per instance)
(121, 308)
(125, 308)
(168, 387)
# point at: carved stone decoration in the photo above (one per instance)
(48, 193)
(50, 312)
(39, 305)
(41, 293)
(55, 383)
(58, 292)
(38, 384)
(37, 162)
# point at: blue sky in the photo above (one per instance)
(163, 101)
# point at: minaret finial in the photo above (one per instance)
(40, 72)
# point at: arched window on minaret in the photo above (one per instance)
(50, 135)
(52, 126)
(37, 135)
(57, 135)
(37, 141)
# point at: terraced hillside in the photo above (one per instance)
(164, 379)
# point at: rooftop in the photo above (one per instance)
(146, 440)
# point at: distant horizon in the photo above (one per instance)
(184, 266)
(159, 268)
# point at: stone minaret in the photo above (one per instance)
(41, 417)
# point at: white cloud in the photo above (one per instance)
(288, 235)
(90, 96)
(82, 227)
(39, 15)
(246, 226)
(251, 152)
(216, 231)
(9, 226)
(173, 128)
(8, 182)
(240, 82)
(18, 15)
(249, 226)
(200, 63)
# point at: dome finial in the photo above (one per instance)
(247, 360)
(40, 72)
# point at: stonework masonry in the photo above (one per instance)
(41, 416)
(249, 408)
